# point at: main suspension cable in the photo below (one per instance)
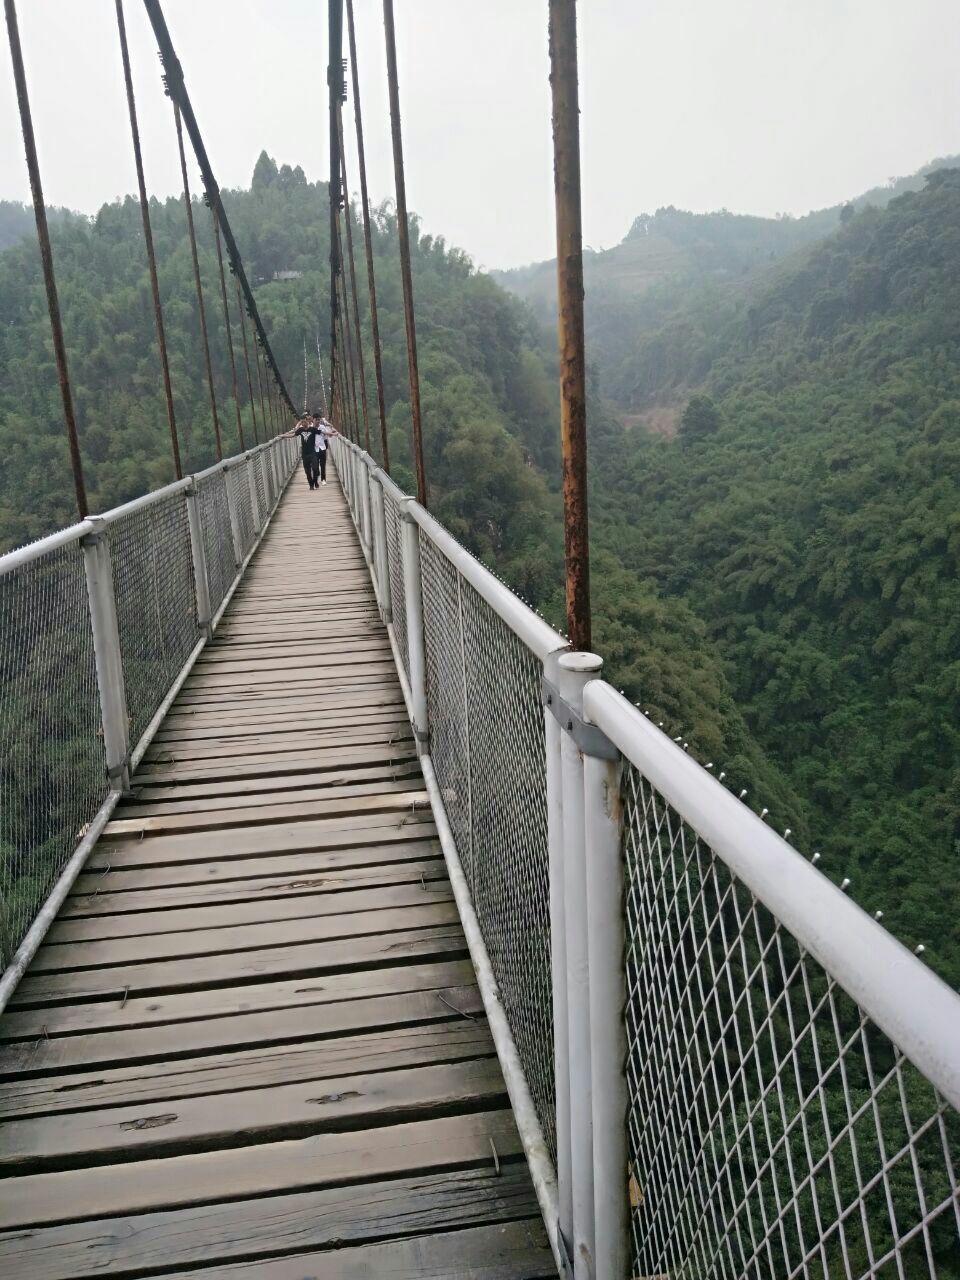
(178, 91)
(46, 257)
(148, 243)
(367, 240)
(404, 234)
(205, 340)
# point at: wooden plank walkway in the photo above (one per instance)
(252, 1044)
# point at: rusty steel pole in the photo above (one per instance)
(335, 86)
(404, 233)
(46, 257)
(367, 241)
(204, 337)
(346, 347)
(573, 382)
(148, 242)
(227, 326)
(345, 330)
(353, 290)
(246, 361)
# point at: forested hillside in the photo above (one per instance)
(809, 513)
(776, 584)
(676, 260)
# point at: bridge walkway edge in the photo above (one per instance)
(252, 1042)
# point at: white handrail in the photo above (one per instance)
(914, 1008)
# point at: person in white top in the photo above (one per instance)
(314, 432)
(324, 430)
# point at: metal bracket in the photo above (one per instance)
(421, 735)
(590, 740)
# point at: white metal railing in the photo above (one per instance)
(99, 626)
(720, 1065)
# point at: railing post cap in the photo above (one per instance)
(580, 662)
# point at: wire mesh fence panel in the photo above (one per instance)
(217, 537)
(774, 1130)
(391, 519)
(511, 892)
(52, 767)
(257, 462)
(239, 489)
(156, 602)
(447, 709)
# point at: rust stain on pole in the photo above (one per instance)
(404, 234)
(205, 340)
(46, 257)
(227, 326)
(368, 241)
(246, 361)
(148, 242)
(573, 397)
(353, 286)
(348, 340)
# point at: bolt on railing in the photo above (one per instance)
(99, 626)
(720, 1065)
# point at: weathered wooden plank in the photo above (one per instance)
(436, 942)
(271, 1114)
(323, 1160)
(352, 805)
(306, 905)
(426, 873)
(196, 943)
(390, 781)
(262, 766)
(62, 1035)
(284, 782)
(244, 842)
(512, 1250)
(246, 1068)
(253, 744)
(104, 877)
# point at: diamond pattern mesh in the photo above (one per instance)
(511, 892)
(391, 517)
(239, 489)
(156, 602)
(774, 1131)
(217, 539)
(447, 710)
(52, 768)
(257, 462)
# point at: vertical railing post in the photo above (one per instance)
(235, 533)
(558, 952)
(108, 657)
(413, 602)
(606, 948)
(197, 550)
(574, 670)
(250, 462)
(366, 529)
(380, 557)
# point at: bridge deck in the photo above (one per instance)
(252, 1044)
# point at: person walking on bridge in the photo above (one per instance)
(324, 430)
(314, 431)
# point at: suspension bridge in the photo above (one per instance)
(358, 927)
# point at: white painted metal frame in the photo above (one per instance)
(91, 534)
(585, 1201)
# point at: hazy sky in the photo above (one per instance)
(761, 106)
